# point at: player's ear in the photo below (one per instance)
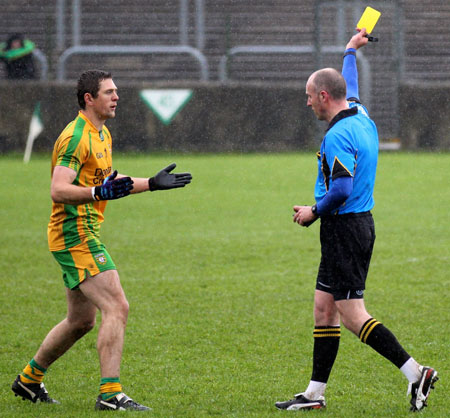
(88, 98)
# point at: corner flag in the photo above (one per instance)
(36, 127)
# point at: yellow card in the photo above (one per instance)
(368, 19)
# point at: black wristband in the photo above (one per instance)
(349, 53)
(314, 210)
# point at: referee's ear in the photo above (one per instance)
(325, 96)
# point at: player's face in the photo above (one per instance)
(314, 101)
(105, 103)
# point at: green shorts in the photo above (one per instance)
(83, 260)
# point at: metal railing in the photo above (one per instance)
(366, 83)
(183, 48)
(42, 58)
(259, 49)
(132, 49)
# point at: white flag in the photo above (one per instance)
(36, 127)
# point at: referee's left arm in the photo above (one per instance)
(339, 192)
(349, 67)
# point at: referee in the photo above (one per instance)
(344, 197)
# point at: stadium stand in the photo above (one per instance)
(417, 55)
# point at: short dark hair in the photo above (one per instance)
(13, 37)
(330, 80)
(89, 82)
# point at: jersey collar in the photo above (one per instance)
(91, 125)
(352, 111)
(87, 120)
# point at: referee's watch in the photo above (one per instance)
(314, 210)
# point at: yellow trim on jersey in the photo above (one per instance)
(342, 165)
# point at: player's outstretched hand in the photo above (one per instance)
(165, 181)
(113, 188)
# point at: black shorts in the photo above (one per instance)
(347, 243)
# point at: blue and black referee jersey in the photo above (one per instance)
(349, 148)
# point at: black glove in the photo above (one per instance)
(113, 188)
(165, 181)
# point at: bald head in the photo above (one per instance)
(329, 80)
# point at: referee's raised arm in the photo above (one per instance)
(349, 68)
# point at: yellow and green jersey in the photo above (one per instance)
(88, 152)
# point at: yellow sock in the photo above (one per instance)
(32, 373)
(110, 387)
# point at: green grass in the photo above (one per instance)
(220, 283)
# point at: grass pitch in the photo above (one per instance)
(220, 283)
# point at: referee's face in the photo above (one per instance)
(314, 101)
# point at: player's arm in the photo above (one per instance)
(163, 180)
(140, 184)
(349, 67)
(64, 191)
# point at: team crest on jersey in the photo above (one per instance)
(101, 259)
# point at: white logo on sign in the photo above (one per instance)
(166, 103)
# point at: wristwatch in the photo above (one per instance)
(314, 210)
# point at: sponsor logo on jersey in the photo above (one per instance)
(101, 174)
